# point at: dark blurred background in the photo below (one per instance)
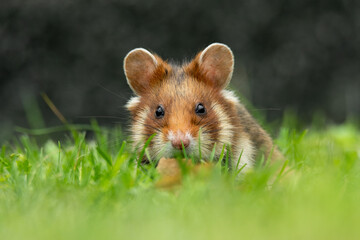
(302, 55)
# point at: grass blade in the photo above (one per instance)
(142, 153)
(212, 155)
(105, 156)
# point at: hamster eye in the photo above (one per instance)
(200, 109)
(160, 112)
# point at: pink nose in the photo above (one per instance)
(176, 142)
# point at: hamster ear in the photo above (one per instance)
(143, 70)
(214, 65)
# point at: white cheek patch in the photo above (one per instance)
(230, 96)
(246, 149)
(225, 134)
(132, 102)
(226, 128)
(138, 128)
(244, 146)
(159, 148)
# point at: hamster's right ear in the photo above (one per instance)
(143, 70)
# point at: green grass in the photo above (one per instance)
(90, 189)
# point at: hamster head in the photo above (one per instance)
(185, 105)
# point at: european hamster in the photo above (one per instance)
(188, 105)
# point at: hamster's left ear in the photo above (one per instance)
(214, 65)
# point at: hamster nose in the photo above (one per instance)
(176, 143)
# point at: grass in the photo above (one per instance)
(91, 189)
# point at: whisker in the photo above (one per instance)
(149, 126)
(268, 109)
(142, 134)
(211, 122)
(112, 92)
(110, 117)
(200, 121)
(157, 123)
(212, 131)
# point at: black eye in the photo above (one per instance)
(200, 109)
(160, 112)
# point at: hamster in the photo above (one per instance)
(188, 105)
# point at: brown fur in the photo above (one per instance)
(179, 89)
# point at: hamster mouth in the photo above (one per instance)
(169, 151)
